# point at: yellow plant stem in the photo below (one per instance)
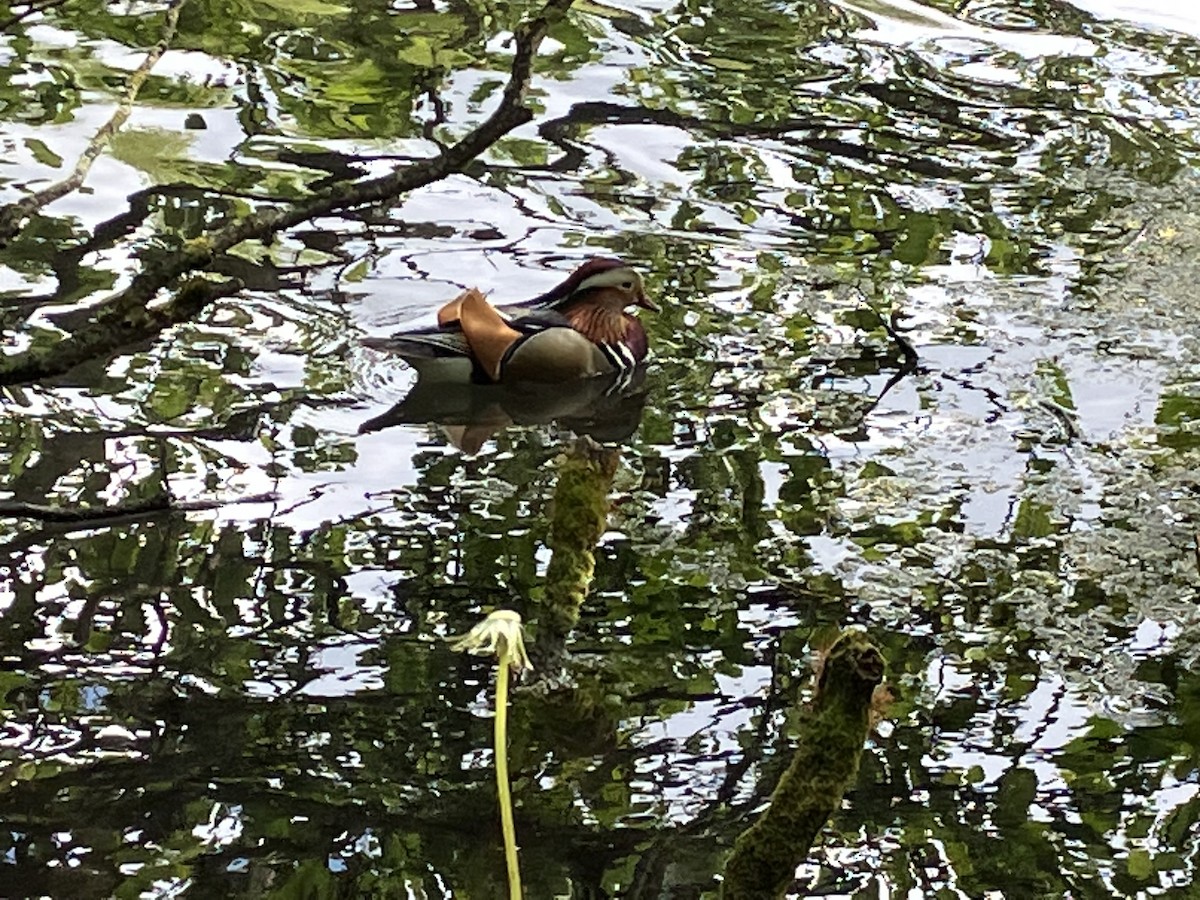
(500, 739)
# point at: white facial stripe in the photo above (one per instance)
(611, 278)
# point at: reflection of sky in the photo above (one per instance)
(342, 673)
(703, 739)
(904, 21)
(1173, 15)
(336, 671)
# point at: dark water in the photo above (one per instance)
(256, 699)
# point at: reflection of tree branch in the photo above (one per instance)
(890, 324)
(430, 126)
(13, 214)
(157, 274)
(112, 326)
(34, 6)
(560, 132)
(910, 358)
(109, 514)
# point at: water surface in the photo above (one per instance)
(255, 698)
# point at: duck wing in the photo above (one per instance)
(422, 343)
(481, 344)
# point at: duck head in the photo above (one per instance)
(606, 280)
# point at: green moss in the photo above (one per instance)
(578, 520)
(765, 856)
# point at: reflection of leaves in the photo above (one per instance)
(53, 98)
(425, 54)
(175, 93)
(43, 154)
(1178, 418)
(1055, 380)
(521, 151)
(306, 7)
(920, 238)
(158, 152)
(1034, 520)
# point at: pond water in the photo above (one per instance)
(253, 696)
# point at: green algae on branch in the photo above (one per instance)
(765, 856)
(112, 326)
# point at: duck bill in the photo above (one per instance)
(646, 303)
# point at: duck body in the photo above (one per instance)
(577, 330)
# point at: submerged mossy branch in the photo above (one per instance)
(13, 214)
(580, 515)
(196, 255)
(765, 856)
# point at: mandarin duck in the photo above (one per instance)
(578, 329)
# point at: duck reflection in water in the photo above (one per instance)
(606, 408)
(572, 355)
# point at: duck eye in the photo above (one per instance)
(627, 285)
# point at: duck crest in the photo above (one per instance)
(564, 290)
